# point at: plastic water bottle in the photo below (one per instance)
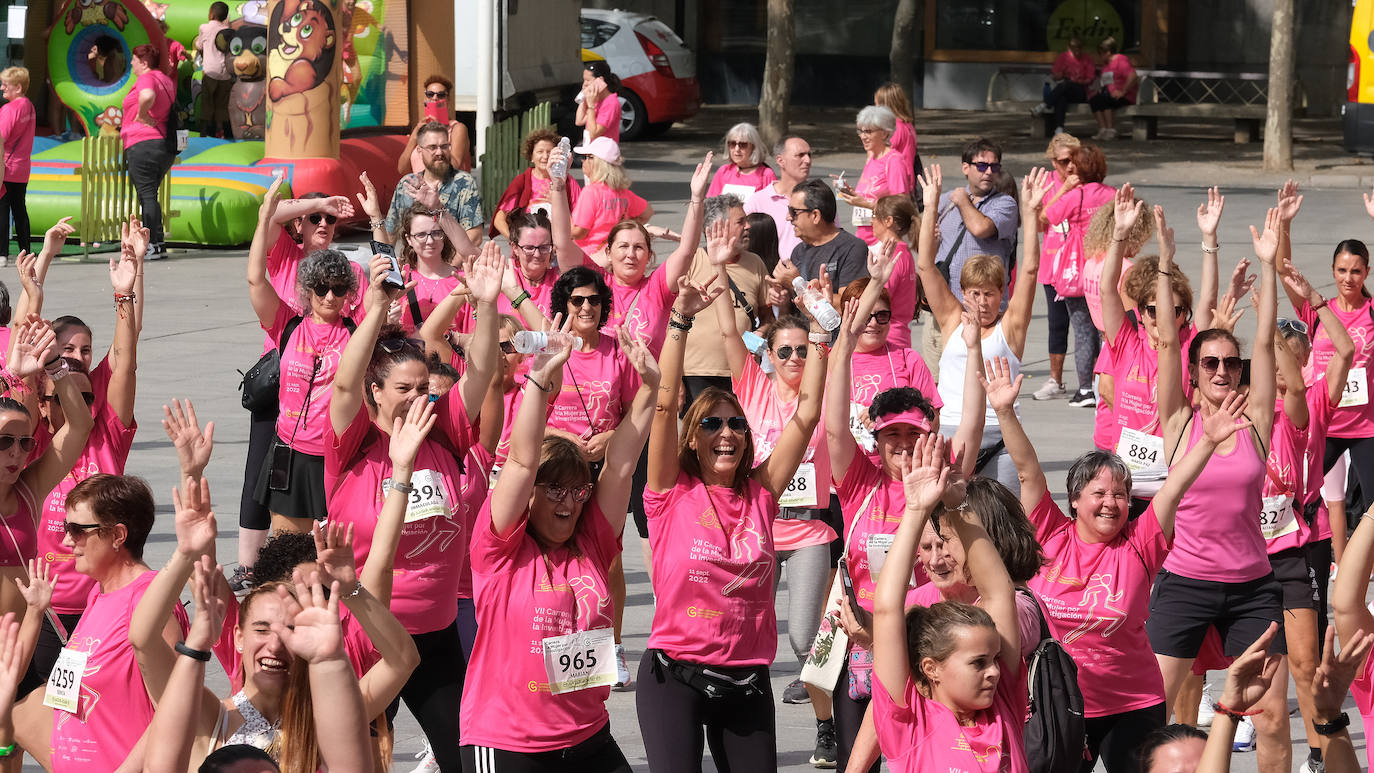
(559, 169)
(536, 341)
(819, 307)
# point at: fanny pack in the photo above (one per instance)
(714, 682)
(986, 455)
(800, 514)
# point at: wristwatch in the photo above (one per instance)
(1336, 725)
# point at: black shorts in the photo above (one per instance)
(1296, 577)
(1181, 610)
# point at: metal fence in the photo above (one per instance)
(502, 160)
(108, 198)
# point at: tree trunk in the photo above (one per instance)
(1278, 125)
(776, 101)
(902, 58)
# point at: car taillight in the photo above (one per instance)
(656, 56)
(1352, 77)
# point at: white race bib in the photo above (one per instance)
(801, 491)
(1277, 516)
(1143, 453)
(1107, 78)
(877, 550)
(742, 192)
(64, 683)
(862, 434)
(580, 660)
(542, 206)
(428, 500)
(861, 217)
(1356, 389)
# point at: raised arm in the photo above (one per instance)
(1295, 392)
(1338, 367)
(1002, 392)
(1127, 211)
(1208, 218)
(613, 488)
(776, 472)
(1352, 581)
(1017, 319)
(435, 331)
(663, 437)
(124, 272)
(407, 435)
(260, 290)
(988, 574)
(718, 249)
(483, 276)
(31, 295)
(1330, 686)
(680, 261)
(560, 220)
(968, 437)
(372, 207)
(1247, 680)
(347, 397)
(68, 442)
(1263, 385)
(1289, 203)
(1174, 406)
(1227, 421)
(839, 441)
(943, 305)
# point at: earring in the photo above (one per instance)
(238, 648)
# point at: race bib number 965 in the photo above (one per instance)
(580, 660)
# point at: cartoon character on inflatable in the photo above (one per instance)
(246, 46)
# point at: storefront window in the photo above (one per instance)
(1034, 25)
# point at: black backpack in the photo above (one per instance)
(1056, 732)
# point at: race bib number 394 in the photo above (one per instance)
(428, 500)
(580, 660)
(64, 682)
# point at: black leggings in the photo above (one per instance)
(742, 732)
(1059, 321)
(598, 754)
(12, 203)
(260, 434)
(849, 715)
(1361, 460)
(434, 691)
(1116, 738)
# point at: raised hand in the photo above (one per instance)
(193, 444)
(1298, 284)
(926, 473)
(56, 236)
(1209, 212)
(547, 364)
(372, 207)
(133, 241)
(409, 433)
(334, 553)
(882, 260)
(720, 246)
(1267, 242)
(270, 200)
(641, 359)
(1331, 682)
(972, 330)
(37, 592)
(1242, 282)
(1369, 204)
(701, 178)
(1002, 390)
(1228, 313)
(1166, 239)
(1126, 210)
(1249, 675)
(692, 298)
(1228, 419)
(195, 519)
(211, 608)
(484, 272)
(27, 265)
(930, 191)
(1289, 202)
(36, 347)
(338, 206)
(1033, 188)
(425, 195)
(311, 630)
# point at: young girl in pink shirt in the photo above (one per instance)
(903, 140)
(892, 220)
(540, 561)
(710, 514)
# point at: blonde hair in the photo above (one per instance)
(1141, 287)
(19, 76)
(984, 271)
(1060, 141)
(1099, 234)
(893, 97)
(610, 175)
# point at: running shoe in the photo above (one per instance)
(1206, 709)
(1083, 398)
(796, 693)
(241, 580)
(622, 671)
(827, 748)
(427, 762)
(1040, 109)
(1245, 736)
(1050, 390)
(1312, 766)
(156, 252)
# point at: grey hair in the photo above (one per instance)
(876, 117)
(1087, 466)
(750, 134)
(718, 207)
(324, 267)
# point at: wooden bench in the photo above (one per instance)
(1032, 77)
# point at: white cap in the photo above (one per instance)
(603, 148)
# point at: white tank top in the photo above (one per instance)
(953, 362)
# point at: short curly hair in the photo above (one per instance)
(542, 134)
(325, 267)
(580, 276)
(899, 400)
(281, 555)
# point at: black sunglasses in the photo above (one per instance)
(785, 353)
(983, 166)
(436, 94)
(508, 347)
(321, 290)
(393, 345)
(75, 530)
(26, 442)
(714, 423)
(559, 493)
(89, 397)
(316, 217)
(578, 300)
(792, 212)
(882, 317)
(1210, 364)
(1153, 310)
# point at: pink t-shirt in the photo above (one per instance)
(608, 116)
(473, 486)
(1105, 430)
(17, 123)
(730, 174)
(1362, 690)
(1078, 69)
(541, 293)
(308, 363)
(901, 288)
(715, 563)
(1092, 285)
(1096, 596)
(773, 204)
(768, 415)
(1135, 374)
(1027, 613)
(1121, 71)
(1319, 413)
(523, 596)
(923, 735)
(882, 516)
(511, 403)
(598, 387)
(1285, 476)
(429, 293)
(599, 208)
(1354, 421)
(885, 175)
(1076, 209)
(433, 548)
(889, 367)
(903, 140)
(357, 645)
(539, 192)
(114, 706)
(107, 451)
(283, 261)
(1054, 236)
(642, 308)
(19, 529)
(134, 131)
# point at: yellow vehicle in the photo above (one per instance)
(1358, 112)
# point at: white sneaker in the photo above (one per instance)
(1206, 709)
(1104, 134)
(1050, 390)
(427, 762)
(1245, 736)
(1311, 766)
(622, 671)
(1040, 109)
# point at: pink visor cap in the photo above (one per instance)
(910, 416)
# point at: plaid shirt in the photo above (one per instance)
(459, 193)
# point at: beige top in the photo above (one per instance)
(705, 352)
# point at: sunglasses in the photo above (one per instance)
(578, 300)
(785, 353)
(89, 397)
(78, 530)
(508, 347)
(792, 212)
(739, 144)
(983, 166)
(1062, 161)
(735, 423)
(393, 345)
(1296, 325)
(559, 493)
(321, 290)
(536, 249)
(317, 217)
(436, 94)
(882, 317)
(1153, 311)
(1211, 364)
(26, 442)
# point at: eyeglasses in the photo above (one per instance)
(1296, 325)
(739, 144)
(1153, 310)
(983, 166)
(559, 493)
(578, 300)
(882, 316)
(89, 397)
(792, 212)
(785, 353)
(393, 345)
(317, 217)
(508, 347)
(26, 442)
(544, 250)
(1210, 364)
(436, 94)
(429, 236)
(321, 290)
(444, 148)
(866, 132)
(78, 530)
(735, 423)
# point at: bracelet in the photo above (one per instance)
(122, 297)
(1211, 250)
(359, 587)
(404, 488)
(375, 224)
(676, 325)
(58, 371)
(697, 201)
(542, 388)
(6, 751)
(1320, 306)
(53, 362)
(200, 655)
(1337, 724)
(680, 316)
(1237, 715)
(519, 299)
(818, 338)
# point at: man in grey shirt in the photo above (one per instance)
(845, 256)
(976, 219)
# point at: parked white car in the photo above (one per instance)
(658, 73)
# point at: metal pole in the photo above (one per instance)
(486, 57)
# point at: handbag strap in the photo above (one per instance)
(743, 301)
(849, 534)
(414, 302)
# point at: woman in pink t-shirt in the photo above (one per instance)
(903, 139)
(963, 706)
(710, 513)
(1352, 616)
(606, 199)
(1218, 572)
(427, 258)
(1115, 88)
(534, 266)
(529, 191)
(540, 562)
(108, 521)
(598, 104)
(746, 172)
(892, 220)
(17, 124)
(1060, 154)
(1095, 584)
(143, 130)
(886, 172)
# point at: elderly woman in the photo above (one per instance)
(144, 132)
(746, 171)
(606, 200)
(1060, 155)
(17, 123)
(885, 172)
(529, 191)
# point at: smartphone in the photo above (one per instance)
(279, 474)
(863, 616)
(393, 277)
(437, 111)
